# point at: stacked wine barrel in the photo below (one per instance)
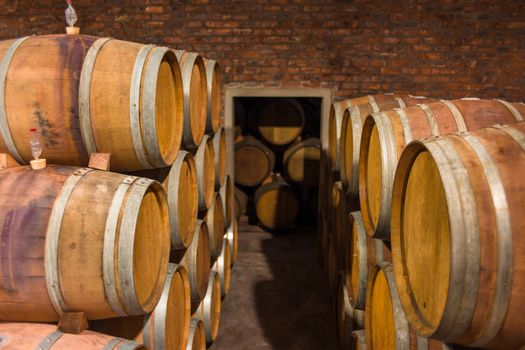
(276, 160)
(421, 235)
(144, 253)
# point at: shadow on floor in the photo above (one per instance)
(279, 298)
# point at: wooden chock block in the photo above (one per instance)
(100, 161)
(6, 161)
(38, 164)
(73, 322)
(73, 30)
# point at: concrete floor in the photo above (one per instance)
(278, 297)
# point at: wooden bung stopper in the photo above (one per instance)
(73, 30)
(38, 164)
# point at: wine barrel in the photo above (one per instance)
(223, 268)
(65, 228)
(253, 161)
(215, 223)
(280, 120)
(334, 133)
(167, 327)
(226, 192)
(241, 202)
(219, 149)
(209, 310)
(82, 100)
(196, 261)
(337, 110)
(348, 318)
(358, 340)
(197, 339)
(276, 204)
(195, 99)
(469, 228)
(386, 326)
(232, 234)
(213, 79)
(351, 128)
(301, 162)
(180, 182)
(362, 253)
(204, 162)
(23, 336)
(182, 188)
(386, 134)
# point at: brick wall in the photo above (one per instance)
(439, 48)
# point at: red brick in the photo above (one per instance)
(352, 48)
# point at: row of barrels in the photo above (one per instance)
(259, 163)
(84, 94)
(420, 235)
(276, 197)
(145, 254)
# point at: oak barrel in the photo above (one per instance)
(241, 202)
(386, 134)
(386, 326)
(335, 122)
(197, 339)
(204, 162)
(209, 310)
(219, 151)
(223, 268)
(362, 253)
(253, 161)
(180, 182)
(195, 99)
(167, 327)
(85, 94)
(348, 319)
(215, 223)
(232, 234)
(301, 162)
(469, 230)
(276, 204)
(334, 133)
(196, 260)
(65, 228)
(351, 127)
(213, 79)
(280, 120)
(24, 336)
(226, 192)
